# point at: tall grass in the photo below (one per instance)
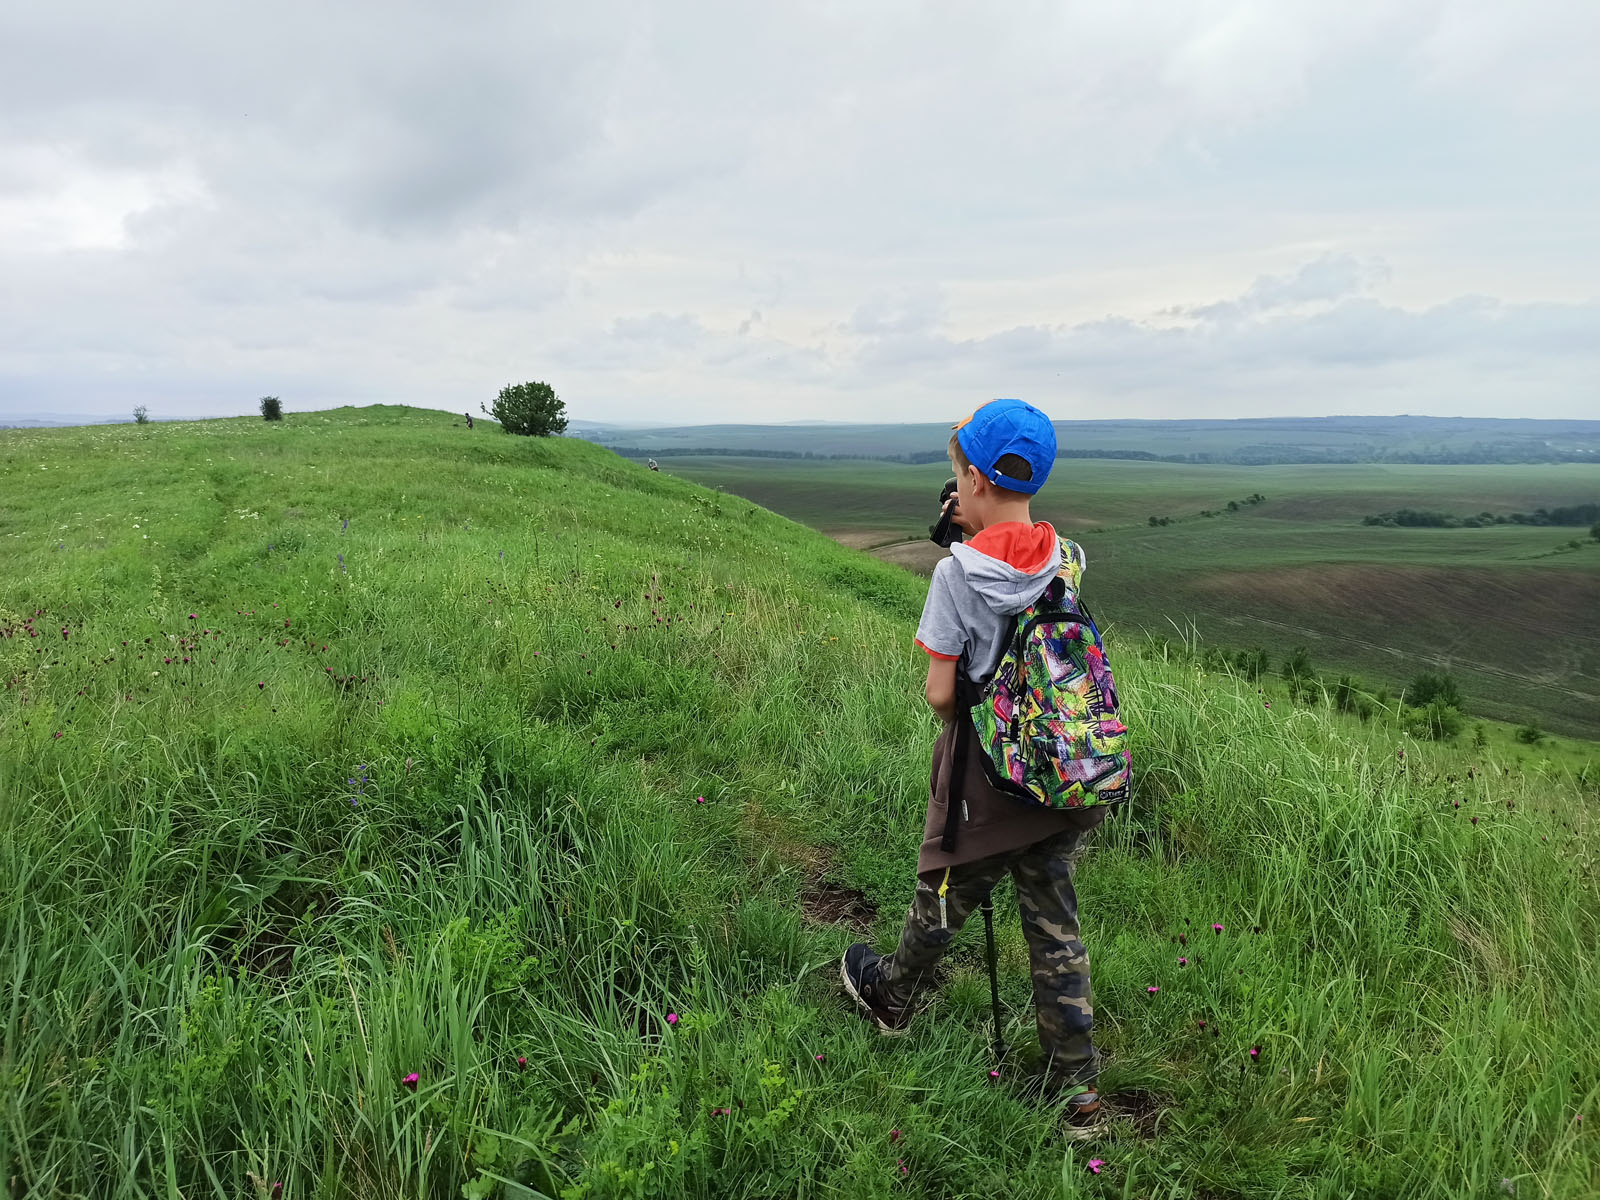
(426, 798)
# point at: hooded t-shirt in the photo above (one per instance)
(972, 601)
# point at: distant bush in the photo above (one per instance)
(1252, 664)
(1436, 720)
(141, 415)
(1480, 735)
(1529, 734)
(1160, 521)
(532, 409)
(1419, 518)
(271, 408)
(1429, 686)
(1349, 695)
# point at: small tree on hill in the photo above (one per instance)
(532, 409)
(141, 415)
(271, 408)
(1429, 686)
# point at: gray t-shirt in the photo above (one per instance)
(973, 598)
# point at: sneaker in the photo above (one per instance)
(859, 970)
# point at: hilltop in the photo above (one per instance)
(371, 790)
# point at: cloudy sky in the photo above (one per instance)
(680, 212)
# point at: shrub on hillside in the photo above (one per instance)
(1252, 664)
(1529, 734)
(141, 415)
(1429, 686)
(271, 408)
(1436, 720)
(532, 409)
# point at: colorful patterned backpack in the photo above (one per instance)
(1047, 722)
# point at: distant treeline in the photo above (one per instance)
(1245, 456)
(1418, 518)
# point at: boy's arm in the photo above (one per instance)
(941, 688)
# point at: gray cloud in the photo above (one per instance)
(687, 211)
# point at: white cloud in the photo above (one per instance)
(698, 211)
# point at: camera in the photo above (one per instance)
(945, 532)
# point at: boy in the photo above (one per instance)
(1002, 454)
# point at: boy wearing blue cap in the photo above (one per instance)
(1002, 454)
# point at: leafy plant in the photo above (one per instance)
(271, 408)
(532, 409)
(1529, 734)
(141, 415)
(1429, 686)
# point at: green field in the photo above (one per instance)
(1511, 610)
(351, 838)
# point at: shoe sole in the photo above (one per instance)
(866, 1009)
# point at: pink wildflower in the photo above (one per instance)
(819, 1057)
(699, 799)
(901, 1163)
(994, 1074)
(1095, 1164)
(1183, 962)
(672, 1018)
(895, 1134)
(522, 1063)
(277, 1190)
(1217, 928)
(411, 1080)
(1255, 1051)
(1152, 989)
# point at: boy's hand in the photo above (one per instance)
(953, 507)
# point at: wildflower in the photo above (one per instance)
(410, 1081)
(1183, 939)
(818, 1057)
(901, 1163)
(1095, 1164)
(721, 1112)
(994, 1074)
(1474, 820)
(522, 1063)
(1217, 928)
(277, 1190)
(192, 616)
(895, 1135)
(1152, 989)
(699, 799)
(1202, 1024)
(261, 684)
(672, 1018)
(1255, 1051)
(58, 733)
(1183, 962)
(1268, 703)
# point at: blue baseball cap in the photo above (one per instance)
(1004, 427)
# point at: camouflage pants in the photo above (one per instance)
(1060, 964)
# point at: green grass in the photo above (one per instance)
(1512, 610)
(222, 957)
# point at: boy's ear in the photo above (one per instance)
(976, 480)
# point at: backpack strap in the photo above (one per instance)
(958, 764)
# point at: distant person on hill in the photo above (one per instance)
(1001, 454)
(469, 420)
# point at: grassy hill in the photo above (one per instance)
(372, 790)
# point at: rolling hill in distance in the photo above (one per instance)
(1511, 607)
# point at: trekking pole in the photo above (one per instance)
(994, 978)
